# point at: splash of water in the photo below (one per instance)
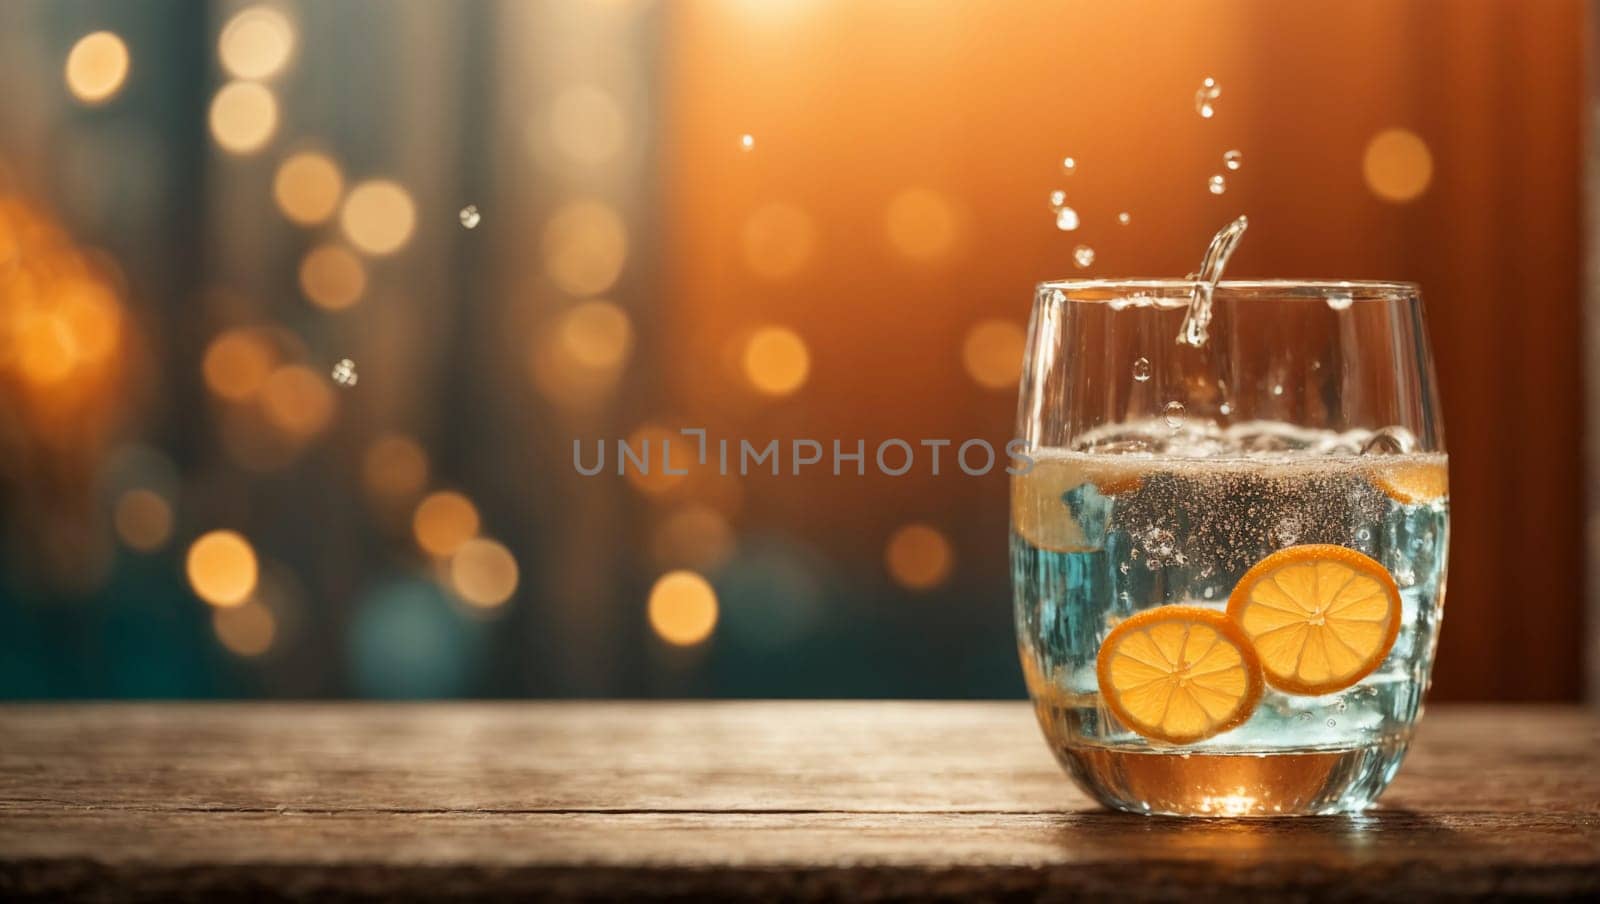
(1198, 318)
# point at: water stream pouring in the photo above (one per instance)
(1198, 317)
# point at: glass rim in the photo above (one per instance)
(1361, 288)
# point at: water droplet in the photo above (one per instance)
(747, 141)
(344, 373)
(1217, 184)
(1066, 219)
(1208, 593)
(1205, 97)
(1069, 166)
(1141, 369)
(1232, 160)
(1057, 198)
(1174, 414)
(1123, 218)
(470, 217)
(1082, 255)
(1332, 723)
(1340, 301)
(1363, 535)
(1225, 408)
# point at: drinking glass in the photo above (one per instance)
(1229, 558)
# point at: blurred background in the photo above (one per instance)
(303, 305)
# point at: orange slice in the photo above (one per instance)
(1040, 514)
(1413, 483)
(1179, 673)
(1321, 617)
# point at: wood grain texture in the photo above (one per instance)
(697, 800)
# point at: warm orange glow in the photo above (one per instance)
(918, 557)
(307, 187)
(585, 244)
(483, 573)
(245, 630)
(776, 361)
(921, 224)
(694, 536)
(778, 241)
(332, 277)
(97, 66)
(378, 216)
(222, 568)
(443, 521)
(597, 334)
(256, 43)
(992, 354)
(297, 400)
(683, 608)
(243, 117)
(579, 360)
(1397, 165)
(237, 363)
(395, 468)
(665, 447)
(143, 520)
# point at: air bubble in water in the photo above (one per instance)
(1057, 199)
(1069, 166)
(1217, 184)
(470, 216)
(1174, 414)
(1141, 369)
(1232, 160)
(344, 373)
(1332, 723)
(1224, 408)
(1123, 218)
(1082, 255)
(1066, 219)
(1340, 301)
(1206, 97)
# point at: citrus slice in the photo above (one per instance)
(1413, 483)
(1321, 617)
(1179, 673)
(1039, 509)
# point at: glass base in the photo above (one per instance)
(1235, 784)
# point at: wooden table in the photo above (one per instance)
(698, 800)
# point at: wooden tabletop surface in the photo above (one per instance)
(700, 800)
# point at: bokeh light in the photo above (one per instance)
(777, 241)
(921, 224)
(256, 43)
(585, 245)
(918, 557)
(1397, 165)
(237, 363)
(332, 277)
(776, 361)
(597, 334)
(378, 216)
(245, 630)
(97, 66)
(143, 519)
(407, 641)
(579, 359)
(307, 187)
(244, 115)
(297, 400)
(483, 572)
(395, 468)
(658, 447)
(586, 125)
(683, 608)
(222, 568)
(693, 536)
(443, 521)
(992, 354)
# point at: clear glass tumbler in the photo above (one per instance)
(1229, 559)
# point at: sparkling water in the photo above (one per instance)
(1160, 513)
